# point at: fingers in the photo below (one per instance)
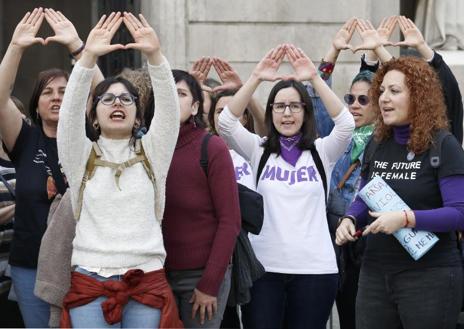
(108, 20)
(25, 18)
(202, 314)
(51, 17)
(205, 65)
(100, 22)
(33, 16)
(195, 308)
(143, 21)
(209, 311)
(217, 63)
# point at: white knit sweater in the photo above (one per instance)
(118, 229)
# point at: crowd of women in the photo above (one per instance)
(118, 222)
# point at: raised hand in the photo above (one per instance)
(25, 32)
(230, 79)
(99, 39)
(369, 35)
(144, 35)
(200, 70)
(304, 68)
(266, 70)
(65, 32)
(343, 36)
(385, 29)
(412, 35)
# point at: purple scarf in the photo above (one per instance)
(289, 150)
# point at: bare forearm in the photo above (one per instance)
(332, 55)
(243, 96)
(7, 214)
(8, 71)
(425, 51)
(383, 54)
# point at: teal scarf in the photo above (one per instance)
(360, 137)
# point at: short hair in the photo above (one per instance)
(43, 79)
(308, 129)
(195, 90)
(363, 76)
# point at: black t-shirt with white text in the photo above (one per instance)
(33, 155)
(417, 184)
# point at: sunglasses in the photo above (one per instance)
(362, 99)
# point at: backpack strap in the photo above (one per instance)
(95, 153)
(320, 168)
(139, 150)
(348, 173)
(369, 152)
(264, 157)
(435, 149)
(204, 153)
(96, 161)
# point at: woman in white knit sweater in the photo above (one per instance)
(118, 228)
(294, 245)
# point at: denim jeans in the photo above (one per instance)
(134, 314)
(428, 298)
(306, 300)
(35, 312)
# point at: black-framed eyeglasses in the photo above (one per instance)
(362, 99)
(126, 99)
(294, 107)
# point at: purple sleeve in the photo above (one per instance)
(451, 216)
(358, 208)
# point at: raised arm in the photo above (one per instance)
(23, 37)
(373, 40)
(341, 41)
(231, 81)
(73, 145)
(160, 141)
(453, 99)
(266, 70)
(66, 34)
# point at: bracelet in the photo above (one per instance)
(350, 217)
(406, 219)
(78, 50)
(325, 69)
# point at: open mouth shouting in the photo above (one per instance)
(117, 115)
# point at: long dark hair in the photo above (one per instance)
(102, 87)
(195, 90)
(308, 129)
(43, 79)
(249, 125)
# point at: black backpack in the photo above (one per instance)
(251, 202)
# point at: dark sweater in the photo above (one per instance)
(202, 216)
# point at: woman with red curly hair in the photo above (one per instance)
(396, 291)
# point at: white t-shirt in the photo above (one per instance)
(243, 172)
(295, 236)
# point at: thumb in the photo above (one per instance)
(39, 40)
(131, 46)
(400, 43)
(114, 47)
(352, 229)
(388, 43)
(51, 39)
(374, 214)
(219, 89)
(286, 77)
(192, 299)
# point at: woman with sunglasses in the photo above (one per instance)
(118, 253)
(345, 176)
(294, 245)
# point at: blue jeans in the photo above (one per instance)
(35, 312)
(134, 314)
(428, 298)
(305, 299)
